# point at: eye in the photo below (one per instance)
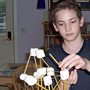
(60, 24)
(73, 21)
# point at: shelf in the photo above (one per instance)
(50, 37)
(86, 36)
(83, 35)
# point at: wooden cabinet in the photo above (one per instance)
(50, 37)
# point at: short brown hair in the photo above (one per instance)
(70, 4)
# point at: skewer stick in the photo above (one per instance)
(35, 62)
(25, 86)
(32, 87)
(52, 87)
(48, 87)
(41, 66)
(65, 85)
(45, 62)
(57, 64)
(54, 59)
(36, 68)
(27, 64)
(47, 66)
(41, 86)
(56, 80)
(56, 85)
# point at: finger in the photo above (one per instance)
(80, 65)
(66, 59)
(71, 62)
(74, 62)
(70, 78)
(75, 77)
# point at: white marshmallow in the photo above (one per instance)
(35, 74)
(47, 80)
(30, 80)
(33, 51)
(50, 71)
(40, 53)
(64, 74)
(41, 71)
(23, 76)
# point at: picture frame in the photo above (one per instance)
(84, 4)
(52, 3)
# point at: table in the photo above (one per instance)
(6, 72)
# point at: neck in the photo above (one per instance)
(73, 46)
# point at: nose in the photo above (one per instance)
(67, 27)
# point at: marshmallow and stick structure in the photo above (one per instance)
(42, 77)
(64, 74)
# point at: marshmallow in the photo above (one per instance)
(47, 80)
(50, 71)
(40, 53)
(64, 74)
(30, 80)
(33, 51)
(23, 76)
(41, 71)
(35, 74)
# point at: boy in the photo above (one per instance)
(74, 53)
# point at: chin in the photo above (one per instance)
(69, 39)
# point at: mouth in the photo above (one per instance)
(69, 34)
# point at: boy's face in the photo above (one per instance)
(68, 24)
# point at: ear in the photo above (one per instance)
(82, 22)
(55, 27)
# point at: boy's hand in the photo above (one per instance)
(71, 80)
(73, 77)
(73, 60)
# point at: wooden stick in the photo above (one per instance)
(41, 77)
(56, 85)
(56, 80)
(48, 87)
(35, 62)
(41, 86)
(27, 64)
(45, 62)
(54, 59)
(65, 85)
(57, 64)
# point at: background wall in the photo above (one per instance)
(86, 14)
(28, 28)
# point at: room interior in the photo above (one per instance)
(29, 22)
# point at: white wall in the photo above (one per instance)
(28, 28)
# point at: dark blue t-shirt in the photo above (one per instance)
(57, 51)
